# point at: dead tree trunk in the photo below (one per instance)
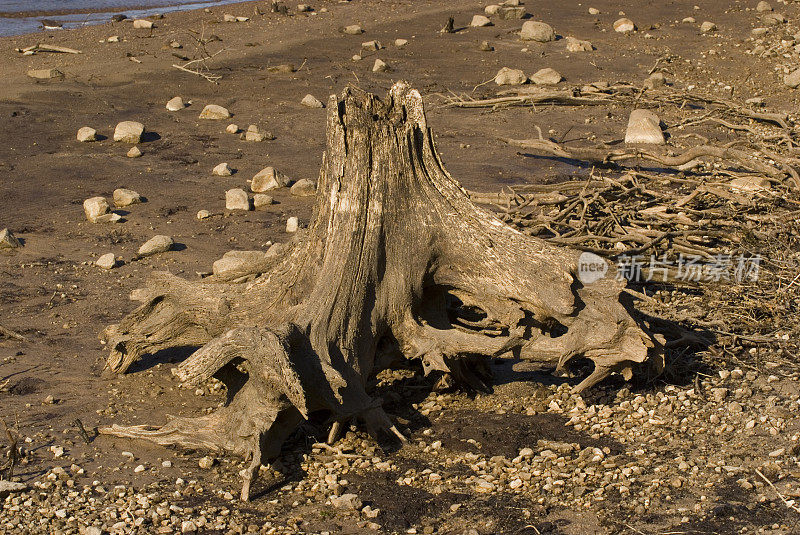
(397, 262)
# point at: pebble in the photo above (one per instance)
(400, 43)
(511, 12)
(578, 45)
(232, 128)
(268, 179)
(95, 207)
(479, 21)
(594, 11)
(45, 74)
(156, 245)
(310, 101)
(304, 188)
(203, 214)
(9, 487)
(708, 27)
(655, 80)
(689, 20)
(236, 199)
(139, 469)
(87, 134)
(303, 8)
(8, 240)
(227, 17)
(188, 526)
(485, 47)
(763, 7)
(175, 104)
(107, 261)
(491, 10)
(129, 132)
(126, 197)
(292, 224)
(546, 76)
(792, 79)
(507, 76)
(624, 25)
(541, 32)
(380, 66)
(346, 501)
(222, 170)
(644, 127)
(206, 462)
(353, 29)
(134, 152)
(253, 134)
(213, 111)
(142, 24)
(260, 200)
(371, 45)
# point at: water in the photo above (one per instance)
(23, 16)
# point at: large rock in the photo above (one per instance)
(175, 104)
(255, 135)
(541, 32)
(9, 487)
(142, 24)
(237, 199)
(578, 45)
(624, 25)
(310, 101)
(213, 111)
(303, 188)
(763, 7)
(237, 260)
(129, 132)
(708, 27)
(546, 76)
(126, 197)
(260, 200)
(45, 74)
(346, 501)
(107, 261)
(655, 80)
(506, 76)
(749, 184)
(644, 127)
(8, 240)
(222, 169)
(380, 66)
(353, 29)
(87, 134)
(95, 207)
(268, 179)
(156, 245)
(479, 21)
(511, 12)
(792, 79)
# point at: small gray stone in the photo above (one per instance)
(126, 197)
(253, 134)
(546, 76)
(511, 12)
(624, 25)
(310, 101)
(506, 76)
(8, 487)
(353, 29)
(371, 45)
(578, 45)
(479, 21)
(400, 43)
(129, 132)
(541, 32)
(260, 200)
(175, 104)
(236, 199)
(107, 261)
(303, 188)
(233, 261)
(346, 501)
(655, 80)
(203, 214)
(8, 240)
(156, 245)
(708, 27)
(142, 24)
(45, 74)
(644, 127)
(135, 152)
(292, 224)
(380, 66)
(95, 207)
(87, 134)
(763, 7)
(206, 462)
(491, 10)
(222, 170)
(268, 179)
(213, 112)
(792, 79)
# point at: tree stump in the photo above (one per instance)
(396, 263)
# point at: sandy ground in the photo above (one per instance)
(52, 293)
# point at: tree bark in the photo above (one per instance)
(396, 263)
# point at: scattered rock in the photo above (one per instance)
(175, 104)
(227, 17)
(135, 152)
(232, 128)
(485, 47)
(253, 134)
(346, 501)
(546, 76)
(107, 261)
(511, 12)
(655, 80)
(491, 10)
(624, 26)
(129, 132)
(708, 27)
(353, 29)
(236, 199)
(8, 240)
(9, 487)
(142, 24)
(400, 43)
(233, 261)
(380, 66)
(749, 184)
(292, 224)
(113, 39)
(87, 134)
(371, 45)
(541, 32)
(506, 76)
(303, 8)
(644, 127)
(594, 11)
(222, 170)
(310, 101)
(260, 200)
(688, 20)
(268, 179)
(763, 7)
(213, 111)
(203, 214)
(242, 19)
(303, 188)
(45, 74)
(188, 526)
(95, 207)
(479, 21)
(126, 197)
(773, 19)
(156, 245)
(578, 45)
(792, 79)
(206, 462)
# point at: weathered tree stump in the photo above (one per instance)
(396, 263)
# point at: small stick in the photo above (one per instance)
(8, 333)
(84, 435)
(784, 500)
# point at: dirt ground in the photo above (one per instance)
(53, 294)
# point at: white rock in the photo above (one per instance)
(353, 29)
(303, 188)
(92, 530)
(594, 11)
(188, 526)
(206, 462)
(546, 76)
(203, 214)
(578, 45)
(260, 200)
(380, 66)
(708, 27)
(310, 101)
(86, 134)
(232, 128)
(242, 19)
(8, 240)
(135, 152)
(643, 127)
(213, 111)
(792, 79)
(268, 179)
(371, 45)
(236, 199)
(624, 25)
(175, 104)
(156, 245)
(346, 501)
(129, 132)
(113, 39)
(763, 7)
(95, 207)
(222, 170)
(491, 10)
(126, 197)
(107, 261)
(292, 224)
(142, 24)
(479, 21)
(541, 32)
(400, 43)
(506, 76)
(227, 17)
(139, 469)
(688, 20)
